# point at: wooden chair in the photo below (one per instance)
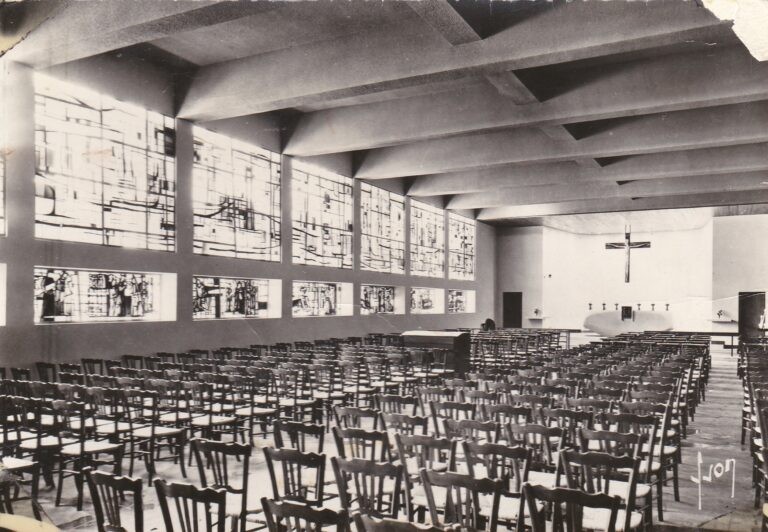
(108, 495)
(215, 460)
(302, 475)
(461, 504)
(46, 371)
(542, 441)
(370, 487)
(597, 472)
(404, 424)
(296, 435)
(197, 510)
(355, 417)
(417, 452)
(397, 404)
(440, 410)
(364, 444)
(287, 516)
(568, 507)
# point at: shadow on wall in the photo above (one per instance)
(611, 324)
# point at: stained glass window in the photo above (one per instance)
(74, 295)
(382, 238)
(322, 217)
(236, 198)
(427, 240)
(313, 298)
(381, 299)
(427, 300)
(461, 301)
(105, 169)
(461, 247)
(232, 298)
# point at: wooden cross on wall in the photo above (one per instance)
(626, 246)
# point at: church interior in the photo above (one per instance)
(422, 265)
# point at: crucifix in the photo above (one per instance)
(626, 246)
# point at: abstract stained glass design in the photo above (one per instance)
(382, 238)
(312, 298)
(461, 247)
(224, 297)
(427, 300)
(461, 301)
(236, 198)
(83, 296)
(377, 299)
(427, 240)
(105, 169)
(322, 217)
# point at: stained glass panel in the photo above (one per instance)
(461, 301)
(382, 238)
(313, 298)
(236, 198)
(461, 247)
(73, 295)
(381, 299)
(322, 217)
(233, 298)
(427, 240)
(105, 169)
(427, 300)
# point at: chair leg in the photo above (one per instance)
(659, 501)
(60, 483)
(675, 482)
(34, 491)
(181, 443)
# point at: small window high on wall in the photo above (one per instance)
(427, 240)
(322, 205)
(317, 299)
(235, 298)
(236, 198)
(461, 247)
(427, 300)
(381, 299)
(382, 237)
(69, 295)
(461, 301)
(105, 169)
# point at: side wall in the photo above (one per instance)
(22, 342)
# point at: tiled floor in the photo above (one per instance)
(714, 433)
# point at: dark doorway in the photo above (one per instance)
(513, 310)
(751, 307)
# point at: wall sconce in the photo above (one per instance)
(590, 306)
(617, 306)
(603, 306)
(667, 305)
(653, 306)
(638, 306)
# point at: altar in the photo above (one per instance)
(612, 324)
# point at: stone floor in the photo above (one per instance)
(714, 433)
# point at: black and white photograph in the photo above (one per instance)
(383, 265)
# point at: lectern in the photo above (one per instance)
(456, 343)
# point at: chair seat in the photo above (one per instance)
(207, 421)
(509, 507)
(257, 411)
(91, 447)
(419, 496)
(295, 402)
(11, 463)
(328, 395)
(765, 509)
(160, 431)
(47, 442)
(109, 428)
(358, 389)
(597, 519)
(622, 490)
(543, 478)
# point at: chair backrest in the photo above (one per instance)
(374, 488)
(46, 371)
(367, 523)
(404, 424)
(365, 444)
(216, 461)
(196, 509)
(108, 493)
(471, 429)
(506, 413)
(462, 501)
(397, 404)
(296, 434)
(500, 462)
(285, 516)
(539, 439)
(353, 417)
(450, 410)
(567, 509)
(300, 475)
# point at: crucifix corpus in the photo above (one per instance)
(627, 245)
